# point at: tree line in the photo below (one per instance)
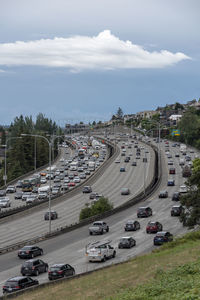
(21, 150)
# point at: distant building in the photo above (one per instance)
(174, 119)
(70, 129)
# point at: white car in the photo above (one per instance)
(183, 189)
(77, 180)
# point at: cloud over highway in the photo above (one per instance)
(78, 53)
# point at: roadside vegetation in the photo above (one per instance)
(20, 151)
(96, 208)
(169, 272)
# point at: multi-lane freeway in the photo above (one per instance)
(70, 247)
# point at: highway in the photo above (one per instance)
(32, 224)
(70, 247)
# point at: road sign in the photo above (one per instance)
(175, 132)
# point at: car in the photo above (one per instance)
(82, 176)
(71, 176)
(42, 195)
(170, 162)
(55, 191)
(171, 182)
(123, 154)
(43, 180)
(31, 199)
(176, 196)
(18, 195)
(126, 160)
(172, 171)
(30, 251)
(87, 189)
(154, 227)
(94, 195)
(169, 155)
(5, 202)
(122, 169)
(60, 270)
(11, 189)
(35, 189)
(177, 154)
(56, 179)
(134, 163)
(54, 215)
(71, 184)
(125, 191)
(144, 212)
(87, 172)
(98, 227)
(19, 184)
(34, 267)
(162, 237)
(77, 179)
(126, 242)
(65, 187)
(15, 284)
(132, 225)
(183, 189)
(137, 157)
(2, 193)
(163, 194)
(26, 195)
(177, 210)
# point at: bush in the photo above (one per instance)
(96, 208)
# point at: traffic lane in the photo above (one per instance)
(35, 224)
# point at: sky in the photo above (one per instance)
(79, 60)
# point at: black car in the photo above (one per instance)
(154, 227)
(131, 225)
(134, 164)
(163, 194)
(29, 252)
(176, 196)
(15, 284)
(87, 189)
(143, 212)
(126, 242)
(177, 210)
(34, 267)
(162, 237)
(53, 214)
(19, 184)
(60, 270)
(122, 169)
(126, 160)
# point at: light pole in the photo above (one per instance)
(5, 158)
(50, 146)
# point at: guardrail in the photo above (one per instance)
(140, 197)
(114, 151)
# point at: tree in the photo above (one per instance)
(120, 113)
(191, 200)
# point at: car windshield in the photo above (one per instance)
(27, 264)
(57, 268)
(142, 209)
(123, 240)
(129, 222)
(27, 248)
(97, 224)
(151, 223)
(160, 234)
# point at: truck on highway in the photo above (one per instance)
(98, 227)
(44, 189)
(99, 251)
(91, 165)
(73, 166)
(186, 171)
(183, 149)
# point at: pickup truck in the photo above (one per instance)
(100, 251)
(98, 227)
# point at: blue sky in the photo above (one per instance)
(80, 60)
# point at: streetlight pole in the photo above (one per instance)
(50, 146)
(35, 155)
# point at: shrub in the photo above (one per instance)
(96, 208)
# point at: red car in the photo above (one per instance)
(154, 227)
(71, 184)
(172, 171)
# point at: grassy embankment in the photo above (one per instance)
(172, 272)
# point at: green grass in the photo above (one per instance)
(171, 272)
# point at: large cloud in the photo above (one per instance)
(102, 52)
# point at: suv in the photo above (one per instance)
(34, 267)
(98, 227)
(171, 182)
(144, 212)
(54, 215)
(177, 210)
(125, 191)
(29, 252)
(176, 196)
(154, 227)
(162, 237)
(15, 284)
(122, 169)
(60, 270)
(87, 189)
(131, 225)
(163, 194)
(126, 242)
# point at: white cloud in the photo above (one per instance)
(102, 52)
